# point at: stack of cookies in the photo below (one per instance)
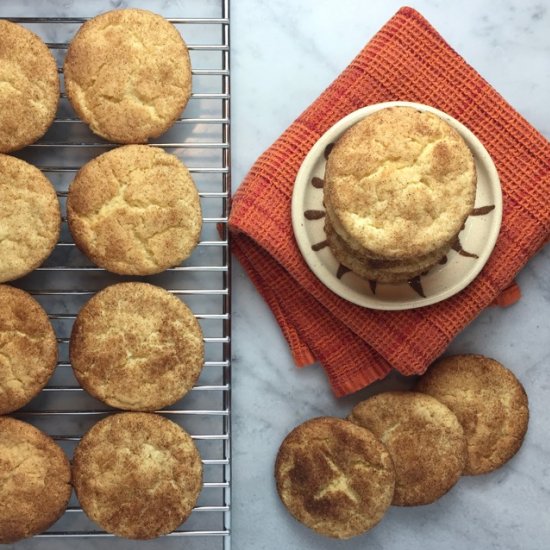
(468, 415)
(399, 186)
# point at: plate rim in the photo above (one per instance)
(299, 193)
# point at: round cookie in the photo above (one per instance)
(28, 348)
(29, 87)
(384, 271)
(36, 477)
(30, 218)
(128, 75)
(334, 477)
(135, 346)
(400, 183)
(489, 402)
(135, 210)
(137, 475)
(424, 438)
(362, 254)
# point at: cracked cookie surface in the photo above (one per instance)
(489, 402)
(128, 75)
(135, 346)
(30, 218)
(135, 210)
(335, 477)
(399, 184)
(35, 480)
(29, 87)
(137, 475)
(28, 348)
(424, 438)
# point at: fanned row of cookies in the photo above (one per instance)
(134, 210)
(468, 415)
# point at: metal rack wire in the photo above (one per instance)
(201, 138)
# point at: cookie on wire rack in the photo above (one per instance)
(28, 348)
(30, 218)
(135, 210)
(136, 346)
(35, 480)
(128, 75)
(137, 475)
(29, 87)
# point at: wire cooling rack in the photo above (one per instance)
(201, 138)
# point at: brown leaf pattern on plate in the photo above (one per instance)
(342, 270)
(319, 246)
(328, 149)
(314, 214)
(416, 282)
(318, 183)
(482, 210)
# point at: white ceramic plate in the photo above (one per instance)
(477, 239)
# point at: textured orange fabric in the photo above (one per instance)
(509, 296)
(406, 60)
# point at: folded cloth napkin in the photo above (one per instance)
(406, 60)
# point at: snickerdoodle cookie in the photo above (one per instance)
(28, 348)
(424, 438)
(35, 480)
(334, 477)
(135, 210)
(383, 271)
(135, 346)
(137, 475)
(128, 75)
(399, 184)
(30, 218)
(29, 87)
(489, 402)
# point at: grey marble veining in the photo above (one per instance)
(283, 55)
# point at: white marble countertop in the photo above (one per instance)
(283, 55)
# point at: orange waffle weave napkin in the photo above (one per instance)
(406, 60)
